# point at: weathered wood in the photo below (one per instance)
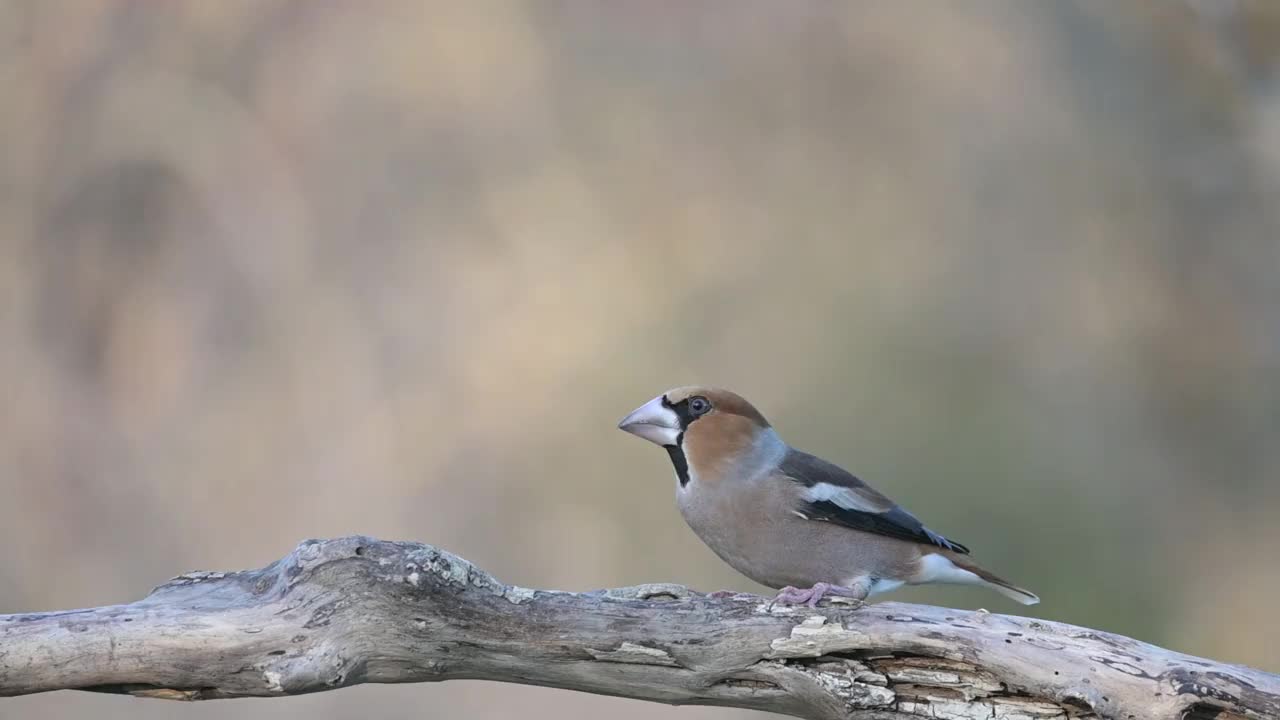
(355, 610)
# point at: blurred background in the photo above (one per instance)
(285, 269)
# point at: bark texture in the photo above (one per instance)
(354, 610)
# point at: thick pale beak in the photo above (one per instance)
(654, 422)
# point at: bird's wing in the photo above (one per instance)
(831, 494)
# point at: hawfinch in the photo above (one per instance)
(787, 519)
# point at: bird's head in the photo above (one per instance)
(703, 428)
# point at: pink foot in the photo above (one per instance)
(791, 595)
(795, 596)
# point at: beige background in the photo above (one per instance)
(289, 269)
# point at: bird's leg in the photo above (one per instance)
(789, 595)
(819, 591)
(857, 591)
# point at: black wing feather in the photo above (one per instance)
(894, 522)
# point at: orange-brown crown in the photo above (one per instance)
(722, 401)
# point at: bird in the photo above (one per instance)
(789, 520)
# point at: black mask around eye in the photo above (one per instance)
(689, 409)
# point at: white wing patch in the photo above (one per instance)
(841, 496)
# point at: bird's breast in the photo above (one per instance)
(744, 522)
(752, 526)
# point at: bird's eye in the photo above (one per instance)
(699, 406)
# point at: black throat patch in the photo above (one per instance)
(678, 459)
(676, 451)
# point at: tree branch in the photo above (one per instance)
(355, 610)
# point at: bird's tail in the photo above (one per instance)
(1000, 585)
(974, 574)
